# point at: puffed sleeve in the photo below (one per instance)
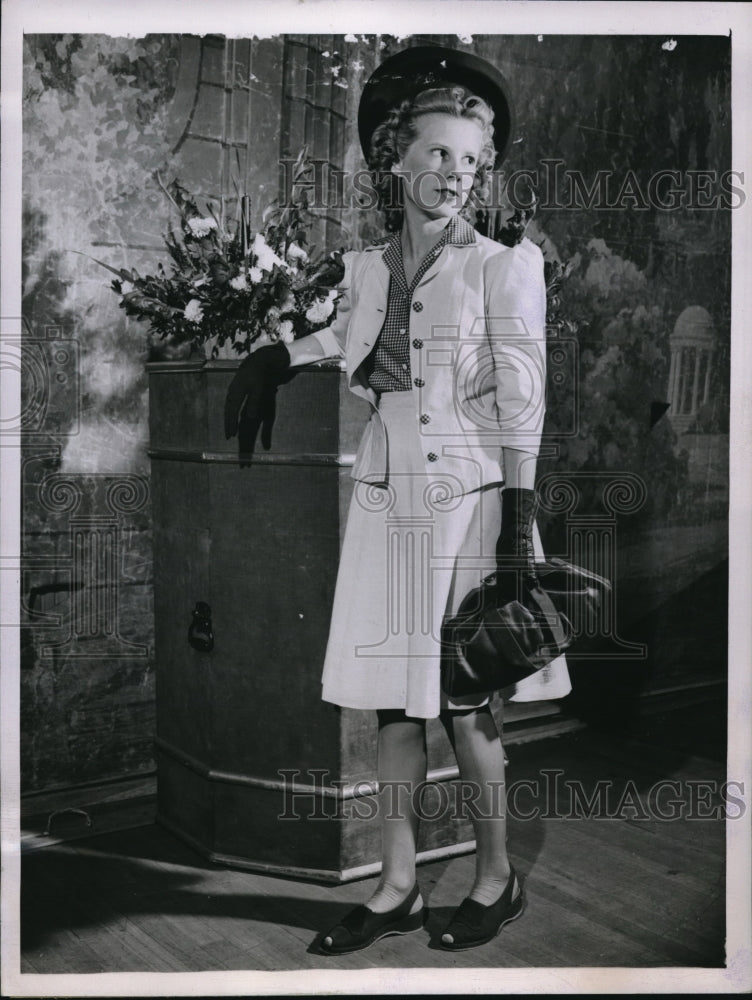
(516, 325)
(333, 337)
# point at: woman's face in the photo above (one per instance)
(439, 165)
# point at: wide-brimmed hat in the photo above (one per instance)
(407, 73)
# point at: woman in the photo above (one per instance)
(443, 332)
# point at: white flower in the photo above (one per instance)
(126, 287)
(466, 39)
(286, 331)
(201, 226)
(294, 253)
(239, 283)
(266, 258)
(669, 45)
(193, 311)
(254, 275)
(271, 320)
(259, 244)
(351, 38)
(320, 310)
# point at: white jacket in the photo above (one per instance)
(477, 355)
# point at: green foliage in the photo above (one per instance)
(227, 284)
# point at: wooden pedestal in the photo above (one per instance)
(255, 770)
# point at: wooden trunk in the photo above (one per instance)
(255, 770)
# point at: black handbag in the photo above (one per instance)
(486, 647)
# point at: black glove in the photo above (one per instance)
(515, 558)
(255, 385)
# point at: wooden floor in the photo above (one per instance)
(630, 891)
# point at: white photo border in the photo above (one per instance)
(245, 18)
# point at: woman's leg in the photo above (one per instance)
(401, 772)
(480, 756)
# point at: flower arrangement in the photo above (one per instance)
(229, 288)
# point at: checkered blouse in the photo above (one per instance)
(391, 356)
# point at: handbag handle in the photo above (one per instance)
(552, 616)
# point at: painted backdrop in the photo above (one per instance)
(627, 141)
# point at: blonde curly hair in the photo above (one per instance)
(393, 136)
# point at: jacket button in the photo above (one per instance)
(417, 306)
(419, 382)
(417, 344)
(425, 419)
(432, 456)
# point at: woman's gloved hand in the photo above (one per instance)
(515, 557)
(250, 403)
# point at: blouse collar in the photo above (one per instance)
(457, 232)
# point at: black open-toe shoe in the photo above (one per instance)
(361, 927)
(474, 924)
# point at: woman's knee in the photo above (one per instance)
(458, 721)
(397, 728)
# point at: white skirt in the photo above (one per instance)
(410, 554)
